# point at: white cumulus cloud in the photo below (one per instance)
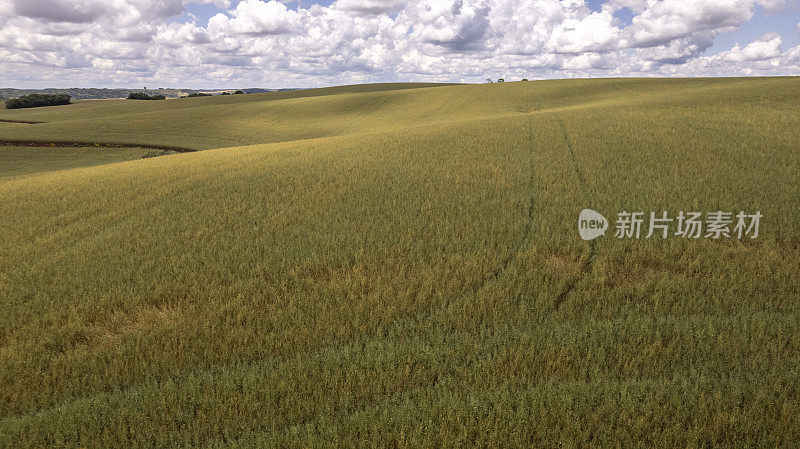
(264, 42)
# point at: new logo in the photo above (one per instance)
(591, 224)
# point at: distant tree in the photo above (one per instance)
(524, 79)
(82, 94)
(501, 80)
(489, 80)
(198, 94)
(226, 93)
(239, 92)
(37, 100)
(144, 96)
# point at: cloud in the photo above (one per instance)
(262, 42)
(677, 51)
(176, 35)
(760, 57)
(221, 4)
(369, 6)
(116, 12)
(663, 21)
(769, 46)
(256, 18)
(60, 10)
(455, 24)
(592, 32)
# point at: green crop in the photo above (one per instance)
(25, 160)
(403, 268)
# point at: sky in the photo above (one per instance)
(205, 44)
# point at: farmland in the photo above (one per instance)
(18, 160)
(400, 265)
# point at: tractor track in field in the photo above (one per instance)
(506, 262)
(494, 275)
(589, 262)
(62, 143)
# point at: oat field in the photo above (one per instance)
(399, 265)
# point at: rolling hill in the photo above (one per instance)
(400, 265)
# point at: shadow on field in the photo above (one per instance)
(56, 143)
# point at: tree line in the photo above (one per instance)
(37, 100)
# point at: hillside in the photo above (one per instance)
(402, 266)
(221, 121)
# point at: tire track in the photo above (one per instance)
(517, 248)
(589, 262)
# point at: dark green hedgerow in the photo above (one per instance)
(144, 96)
(37, 100)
